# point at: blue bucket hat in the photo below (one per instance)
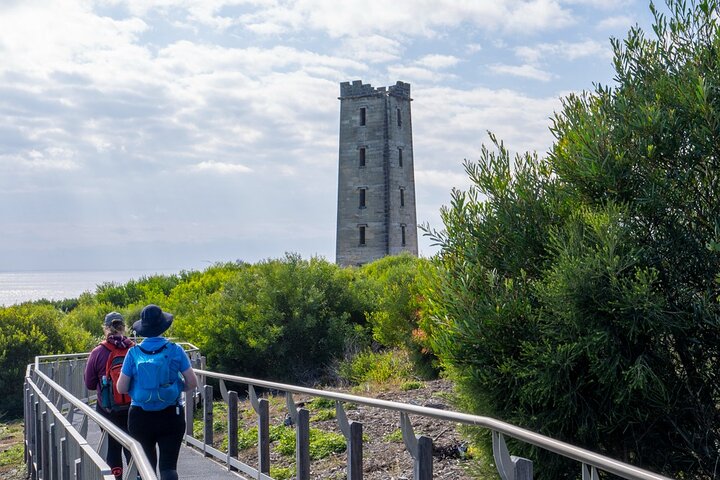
(153, 322)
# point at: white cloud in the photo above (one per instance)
(445, 180)
(616, 22)
(438, 62)
(409, 17)
(372, 48)
(40, 37)
(417, 74)
(473, 48)
(524, 71)
(451, 125)
(48, 159)
(218, 167)
(598, 4)
(565, 50)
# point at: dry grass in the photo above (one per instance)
(12, 465)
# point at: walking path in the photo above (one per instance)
(192, 464)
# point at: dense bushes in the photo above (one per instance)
(279, 319)
(579, 294)
(26, 331)
(288, 319)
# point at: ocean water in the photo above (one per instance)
(18, 287)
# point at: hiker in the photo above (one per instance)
(155, 374)
(103, 364)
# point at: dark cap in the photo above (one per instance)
(113, 317)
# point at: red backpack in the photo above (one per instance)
(110, 399)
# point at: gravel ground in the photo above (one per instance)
(384, 454)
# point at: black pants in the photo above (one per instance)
(164, 428)
(114, 451)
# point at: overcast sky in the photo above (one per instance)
(170, 134)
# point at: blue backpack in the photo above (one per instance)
(155, 386)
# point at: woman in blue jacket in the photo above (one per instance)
(155, 373)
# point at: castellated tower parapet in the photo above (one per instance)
(376, 182)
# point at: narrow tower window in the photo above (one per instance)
(361, 232)
(400, 157)
(402, 197)
(402, 234)
(361, 156)
(362, 198)
(363, 113)
(399, 118)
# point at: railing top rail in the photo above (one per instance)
(570, 451)
(69, 356)
(144, 468)
(189, 347)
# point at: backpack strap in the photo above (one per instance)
(153, 352)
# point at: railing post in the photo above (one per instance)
(189, 414)
(523, 468)
(207, 417)
(510, 467)
(45, 445)
(302, 445)
(424, 459)
(262, 410)
(589, 473)
(355, 452)
(54, 453)
(232, 427)
(420, 449)
(352, 431)
(78, 469)
(26, 420)
(64, 464)
(31, 440)
(37, 440)
(264, 436)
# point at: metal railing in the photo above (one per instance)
(419, 447)
(56, 445)
(57, 412)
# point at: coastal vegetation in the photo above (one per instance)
(577, 295)
(287, 319)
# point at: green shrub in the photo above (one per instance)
(279, 431)
(393, 284)
(320, 403)
(247, 438)
(578, 294)
(323, 415)
(261, 318)
(394, 437)
(382, 367)
(26, 330)
(282, 473)
(13, 455)
(411, 385)
(322, 444)
(219, 425)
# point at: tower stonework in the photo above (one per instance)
(376, 181)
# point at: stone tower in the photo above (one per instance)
(376, 181)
